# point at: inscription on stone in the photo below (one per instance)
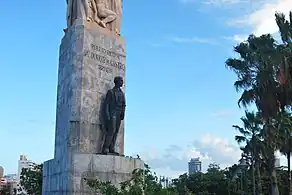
(106, 52)
(108, 70)
(103, 59)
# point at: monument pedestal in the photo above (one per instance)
(90, 58)
(117, 169)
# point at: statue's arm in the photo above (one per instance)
(124, 108)
(108, 99)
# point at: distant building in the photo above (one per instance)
(277, 162)
(11, 177)
(23, 162)
(1, 172)
(195, 165)
(10, 187)
(165, 182)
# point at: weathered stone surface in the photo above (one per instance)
(89, 61)
(90, 58)
(102, 167)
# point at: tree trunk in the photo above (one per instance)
(229, 178)
(253, 175)
(289, 172)
(259, 179)
(241, 184)
(274, 183)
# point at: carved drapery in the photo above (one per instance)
(116, 6)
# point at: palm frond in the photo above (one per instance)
(282, 25)
(247, 98)
(240, 139)
(241, 84)
(241, 130)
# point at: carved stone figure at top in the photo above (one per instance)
(114, 112)
(91, 11)
(106, 13)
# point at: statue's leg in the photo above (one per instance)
(109, 135)
(116, 132)
(109, 16)
(94, 9)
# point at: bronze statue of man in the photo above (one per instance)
(115, 105)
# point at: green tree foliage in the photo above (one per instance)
(234, 180)
(214, 181)
(142, 181)
(31, 179)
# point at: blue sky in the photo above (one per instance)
(181, 100)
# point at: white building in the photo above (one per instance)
(195, 165)
(23, 162)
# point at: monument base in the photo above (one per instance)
(57, 180)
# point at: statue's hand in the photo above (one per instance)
(122, 116)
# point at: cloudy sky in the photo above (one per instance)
(181, 100)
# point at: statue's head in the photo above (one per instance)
(118, 80)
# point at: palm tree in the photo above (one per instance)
(251, 136)
(285, 88)
(271, 143)
(285, 60)
(264, 71)
(257, 79)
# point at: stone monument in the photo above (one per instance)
(89, 138)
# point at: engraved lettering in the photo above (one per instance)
(86, 53)
(107, 70)
(103, 59)
(106, 52)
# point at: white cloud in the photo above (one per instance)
(173, 161)
(223, 113)
(237, 38)
(221, 150)
(192, 40)
(262, 20)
